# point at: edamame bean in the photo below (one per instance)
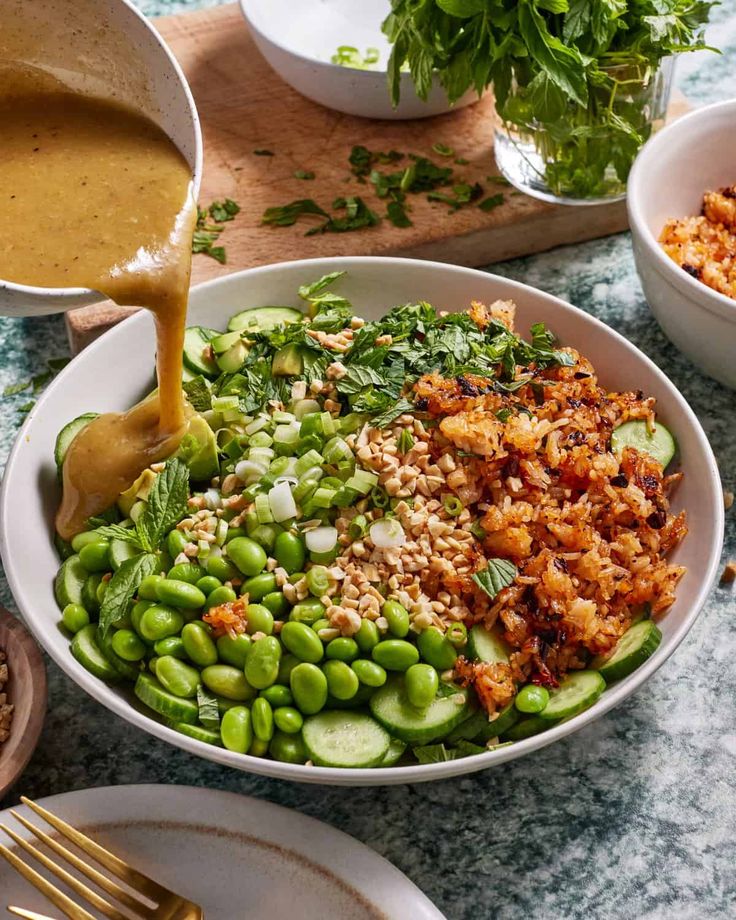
(198, 644)
(302, 641)
(74, 617)
(369, 673)
(258, 619)
(234, 532)
(309, 687)
(294, 577)
(185, 571)
(147, 587)
(286, 666)
(259, 586)
(85, 538)
(179, 678)
(234, 649)
(139, 608)
(208, 583)
(236, 730)
(398, 618)
(321, 624)
(277, 695)
(175, 543)
(221, 568)
(367, 635)
(265, 535)
(287, 719)
(180, 594)
(531, 698)
(421, 682)
(160, 621)
(395, 654)
(258, 748)
(89, 592)
(248, 556)
(227, 681)
(289, 551)
(128, 645)
(277, 604)
(435, 649)
(342, 649)
(95, 556)
(342, 681)
(318, 581)
(261, 715)
(262, 663)
(221, 595)
(172, 645)
(288, 748)
(307, 611)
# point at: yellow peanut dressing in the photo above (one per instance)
(95, 195)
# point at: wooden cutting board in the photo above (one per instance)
(244, 106)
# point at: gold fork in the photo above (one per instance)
(163, 904)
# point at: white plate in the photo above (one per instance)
(299, 39)
(235, 856)
(116, 371)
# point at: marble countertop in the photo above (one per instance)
(632, 817)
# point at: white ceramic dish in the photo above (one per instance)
(234, 856)
(105, 48)
(682, 161)
(116, 371)
(298, 40)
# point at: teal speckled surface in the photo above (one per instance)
(633, 817)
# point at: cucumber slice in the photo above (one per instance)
(85, 649)
(507, 717)
(577, 692)
(345, 739)
(479, 728)
(67, 434)
(63, 548)
(391, 707)
(230, 361)
(149, 691)
(287, 361)
(525, 728)
(126, 669)
(486, 645)
(120, 550)
(469, 728)
(632, 650)
(262, 319)
(69, 582)
(660, 443)
(196, 351)
(394, 753)
(198, 732)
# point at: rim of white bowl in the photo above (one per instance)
(386, 775)
(68, 293)
(705, 296)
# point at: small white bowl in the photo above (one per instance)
(117, 369)
(104, 48)
(298, 40)
(682, 161)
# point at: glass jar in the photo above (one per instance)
(580, 154)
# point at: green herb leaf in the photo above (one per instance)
(443, 150)
(306, 174)
(491, 203)
(122, 587)
(15, 388)
(438, 753)
(118, 532)
(209, 713)
(396, 213)
(288, 214)
(498, 574)
(166, 505)
(198, 393)
(392, 413)
(263, 153)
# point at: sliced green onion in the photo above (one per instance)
(321, 539)
(323, 498)
(452, 505)
(283, 466)
(379, 497)
(314, 472)
(257, 424)
(457, 634)
(304, 445)
(221, 532)
(249, 492)
(263, 509)
(327, 424)
(304, 489)
(248, 471)
(344, 497)
(306, 407)
(261, 454)
(283, 417)
(387, 533)
(478, 531)
(406, 441)
(224, 403)
(358, 527)
(282, 502)
(310, 424)
(336, 449)
(285, 439)
(261, 439)
(308, 459)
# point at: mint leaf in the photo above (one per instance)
(286, 215)
(438, 753)
(392, 413)
(167, 503)
(209, 713)
(198, 393)
(498, 574)
(118, 532)
(122, 588)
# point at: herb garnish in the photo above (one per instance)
(305, 174)
(263, 153)
(122, 587)
(36, 383)
(357, 215)
(492, 202)
(498, 574)
(206, 233)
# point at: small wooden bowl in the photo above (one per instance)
(26, 689)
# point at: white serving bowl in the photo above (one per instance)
(298, 40)
(108, 49)
(692, 155)
(117, 370)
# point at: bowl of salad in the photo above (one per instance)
(425, 520)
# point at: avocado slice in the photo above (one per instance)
(198, 449)
(287, 361)
(139, 490)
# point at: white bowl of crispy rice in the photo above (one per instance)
(117, 370)
(682, 163)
